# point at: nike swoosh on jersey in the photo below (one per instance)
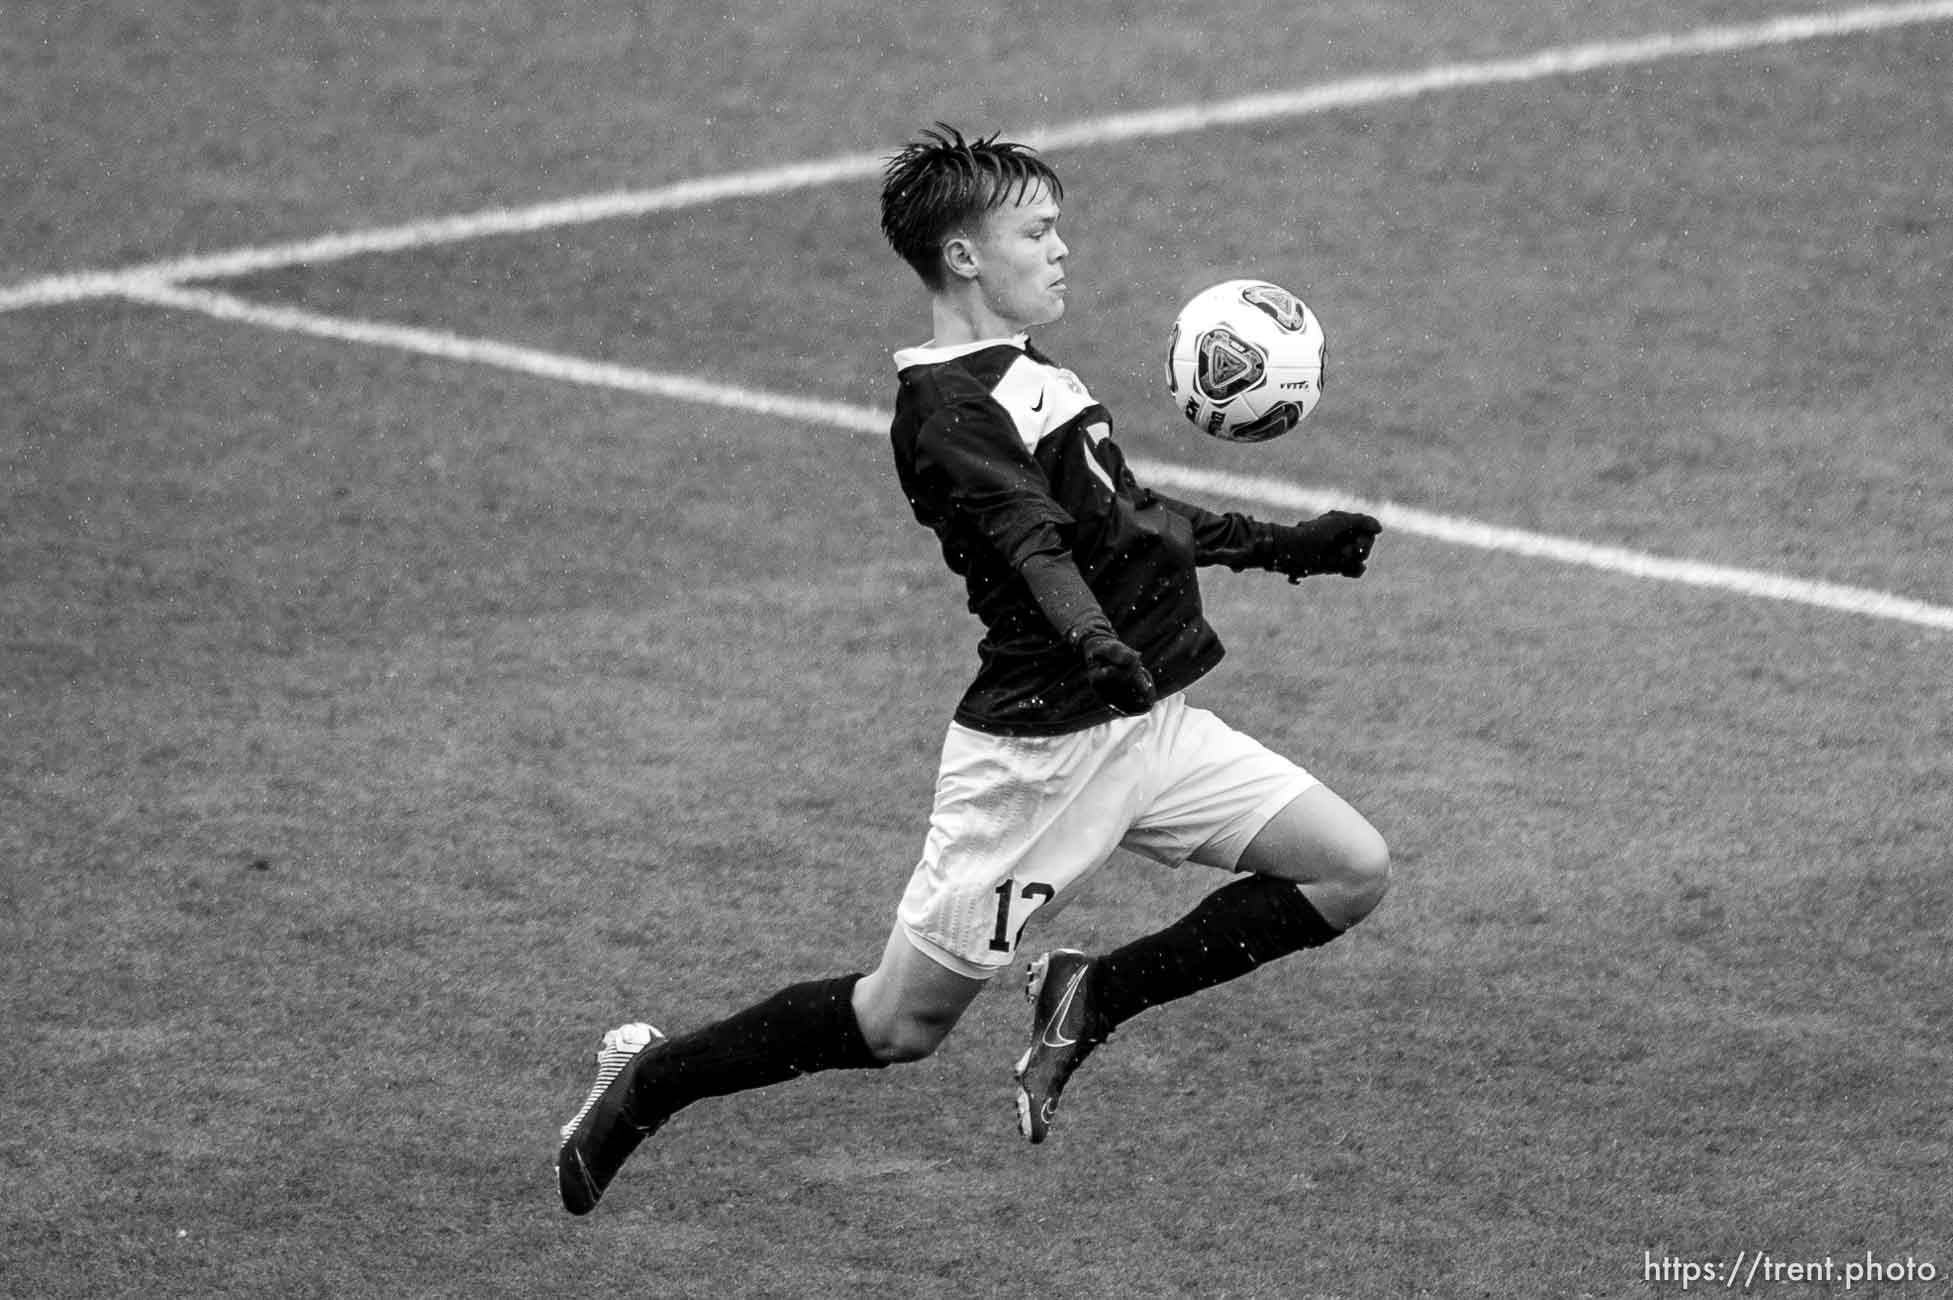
(1040, 398)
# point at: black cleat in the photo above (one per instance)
(601, 1137)
(1063, 1033)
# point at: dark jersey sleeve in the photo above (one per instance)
(996, 486)
(991, 481)
(1232, 539)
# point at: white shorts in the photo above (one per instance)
(1021, 821)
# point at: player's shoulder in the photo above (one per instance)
(1009, 377)
(950, 393)
(958, 370)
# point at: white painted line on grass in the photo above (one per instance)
(1459, 531)
(503, 356)
(581, 210)
(1268, 492)
(1564, 61)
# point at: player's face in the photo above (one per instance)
(1021, 260)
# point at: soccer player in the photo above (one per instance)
(1074, 739)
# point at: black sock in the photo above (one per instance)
(1228, 933)
(799, 1030)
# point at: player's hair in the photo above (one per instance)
(941, 184)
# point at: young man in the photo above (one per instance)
(1073, 740)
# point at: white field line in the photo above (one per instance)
(1270, 493)
(503, 356)
(1354, 92)
(1459, 531)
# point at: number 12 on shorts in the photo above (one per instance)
(1005, 937)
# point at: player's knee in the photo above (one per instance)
(908, 1037)
(1359, 880)
(1370, 875)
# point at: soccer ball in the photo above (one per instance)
(1245, 362)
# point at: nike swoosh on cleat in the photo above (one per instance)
(1056, 1024)
(587, 1196)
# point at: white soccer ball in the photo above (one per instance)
(1246, 361)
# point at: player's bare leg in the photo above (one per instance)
(910, 1002)
(1317, 868)
(1329, 851)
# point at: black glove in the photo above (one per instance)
(1117, 674)
(1336, 542)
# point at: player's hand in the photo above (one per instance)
(1117, 674)
(1337, 542)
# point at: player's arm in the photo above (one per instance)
(1116, 671)
(1338, 541)
(999, 489)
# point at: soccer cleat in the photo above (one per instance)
(1063, 1033)
(604, 1133)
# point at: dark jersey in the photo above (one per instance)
(1008, 458)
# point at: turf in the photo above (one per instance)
(374, 730)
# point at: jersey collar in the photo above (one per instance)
(928, 354)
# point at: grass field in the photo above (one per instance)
(377, 727)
